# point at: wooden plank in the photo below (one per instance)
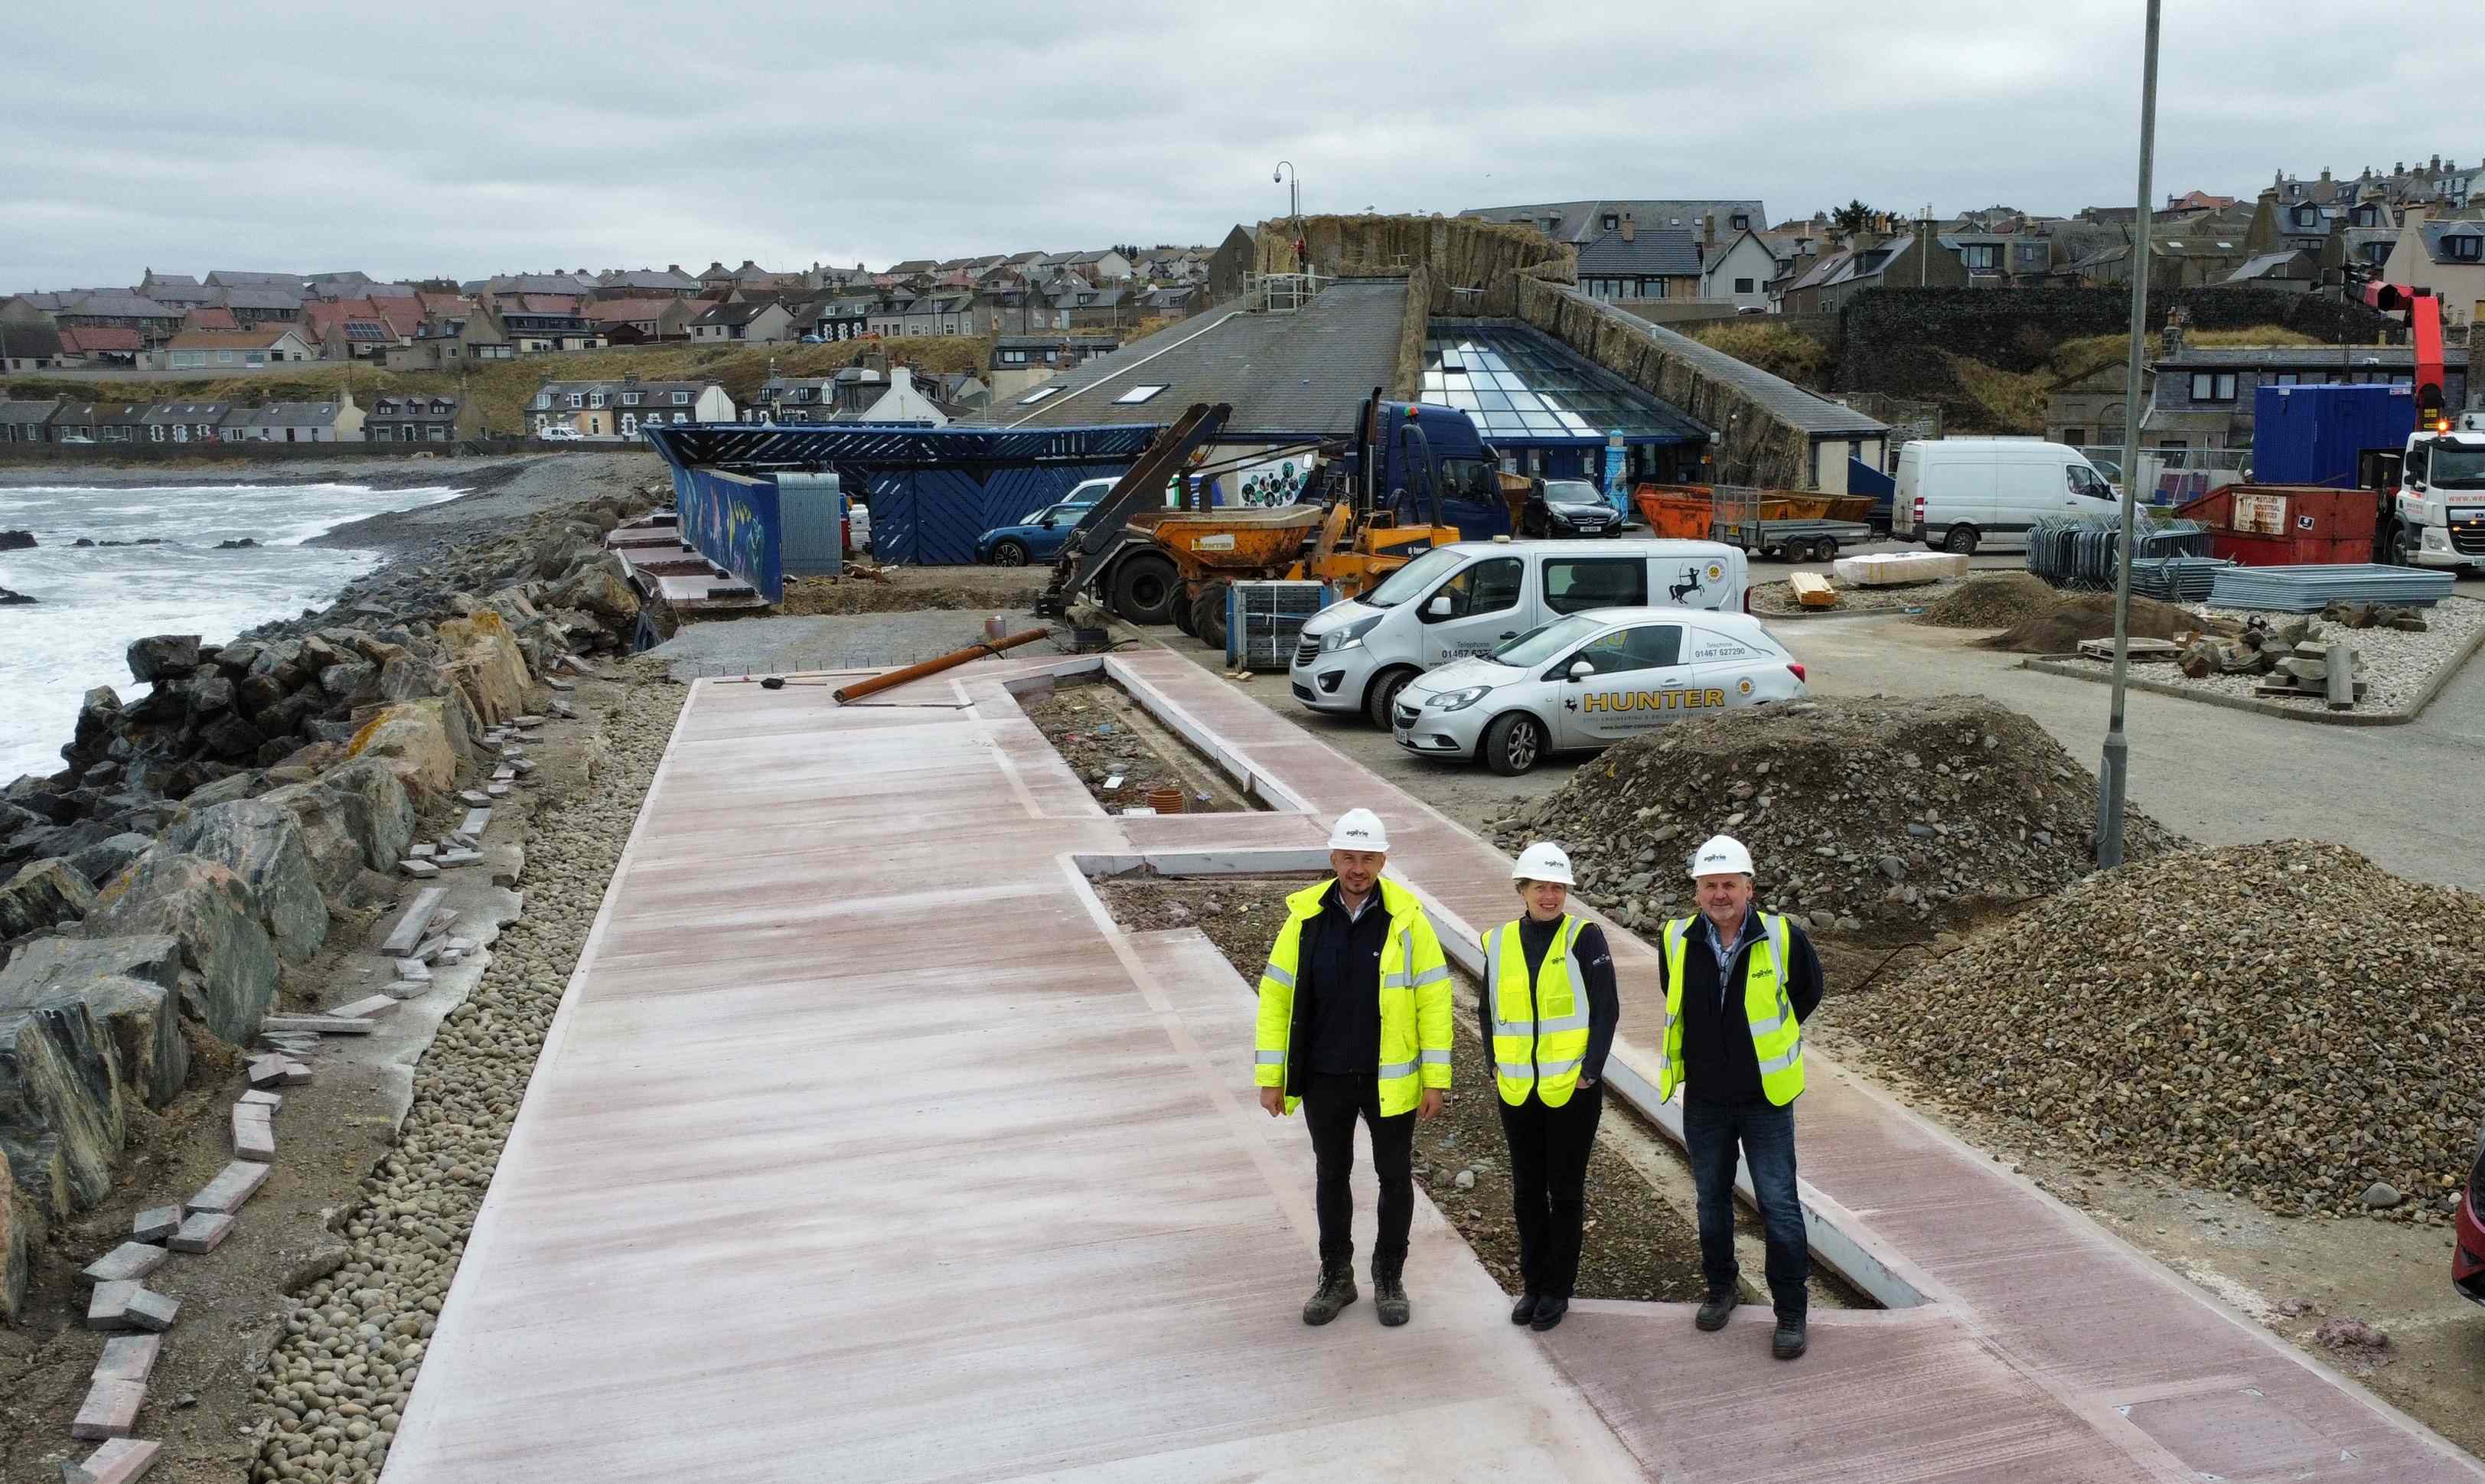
(408, 931)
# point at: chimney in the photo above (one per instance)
(673, 267)
(2325, 175)
(1707, 233)
(1630, 232)
(2169, 342)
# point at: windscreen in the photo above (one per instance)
(2457, 466)
(1538, 647)
(1413, 580)
(1571, 493)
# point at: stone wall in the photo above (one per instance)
(1473, 267)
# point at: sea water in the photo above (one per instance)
(91, 601)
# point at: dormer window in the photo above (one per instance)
(577, 399)
(1612, 221)
(1742, 222)
(681, 398)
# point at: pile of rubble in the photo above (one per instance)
(2285, 1022)
(1990, 600)
(1866, 816)
(2287, 657)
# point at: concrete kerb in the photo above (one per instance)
(1839, 1240)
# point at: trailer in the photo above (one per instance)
(1792, 525)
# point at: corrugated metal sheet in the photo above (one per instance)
(812, 508)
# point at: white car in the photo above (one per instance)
(558, 433)
(1591, 680)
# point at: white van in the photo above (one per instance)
(1976, 494)
(1469, 598)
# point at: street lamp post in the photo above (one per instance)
(1294, 192)
(2115, 764)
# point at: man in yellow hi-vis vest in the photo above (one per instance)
(1738, 1058)
(1355, 1023)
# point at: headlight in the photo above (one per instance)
(1458, 700)
(1347, 636)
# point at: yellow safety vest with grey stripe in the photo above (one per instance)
(1777, 1039)
(1414, 1000)
(1539, 1031)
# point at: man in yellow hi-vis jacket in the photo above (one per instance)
(1355, 1022)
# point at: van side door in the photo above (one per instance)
(1474, 611)
(1639, 683)
(1577, 584)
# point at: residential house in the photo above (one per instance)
(1583, 222)
(545, 322)
(1099, 266)
(29, 341)
(1173, 299)
(187, 422)
(101, 422)
(444, 340)
(28, 422)
(902, 401)
(1802, 294)
(2088, 409)
(262, 306)
(2289, 270)
(840, 315)
(2447, 256)
(1018, 362)
(639, 321)
(577, 285)
(99, 345)
(118, 310)
(886, 318)
(178, 289)
(2205, 396)
(1633, 263)
(648, 283)
(429, 417)
(619, 409)
(1739, 272)
(942, 312)
(793, 399)
(336, 421)
(352, 329)
(236, 349)
(758, 319)
(961, 391)
(210, 316)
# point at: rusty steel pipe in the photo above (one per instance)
(917, 671)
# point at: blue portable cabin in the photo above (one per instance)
(2319, 434)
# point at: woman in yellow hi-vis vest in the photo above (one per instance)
(1739, 985)
(1548, 1013)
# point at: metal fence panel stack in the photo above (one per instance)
(2312, 589)
(2082, 553)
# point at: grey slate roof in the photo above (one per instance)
(263, 298)
(226, 278)
(121, 306)
(2436, 235)
(1648, 253)
(2290, 357)
(13, 413)
(1305, 372)
(169, 413)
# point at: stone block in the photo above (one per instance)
(454, 858)
(201, 1232)
(296, 1075)
(406, 989)
(129, 1357)
(497, 790)
(266, 1071)
(43, 895)
(253, 1133)
(110, 1411)
(475, 822)
(212, 911)
(413, 969)
(273, 1102)
(418, 869)
(157, 1222)
(123, 1305)
(262, 845)
(422, 852)
(369, 1007)
(129, 1262)
(118, 1462)
(230, 1190)
(502, 775)
(412, 925)
(473, 796)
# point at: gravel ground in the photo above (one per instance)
(1105, 735)
(904, 589)
(1776, 599)
(2398, 667)
(2214, 1017)
(353, 1344)
(507, 492)
(1637, 1245)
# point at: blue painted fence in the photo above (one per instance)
(734, 521)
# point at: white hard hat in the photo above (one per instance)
(1543, 861)
(1723, 855)
(1358, 829)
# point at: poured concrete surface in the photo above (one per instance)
(864, 1147)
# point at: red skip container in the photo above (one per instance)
(2287, 525)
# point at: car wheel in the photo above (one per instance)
(1145, 591)
(1960, 541)
(1009, 554)
(1383, 693)
(1207, 616)
(1513, 743)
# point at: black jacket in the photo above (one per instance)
(1596, 966)
(1337, 992)
(1718, 1063)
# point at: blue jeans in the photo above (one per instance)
(1765, 1132)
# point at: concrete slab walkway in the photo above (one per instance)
(864, 1147)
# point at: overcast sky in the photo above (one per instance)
(461, 140)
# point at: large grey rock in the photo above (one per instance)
(18, 1225)
(598, 589)
(42, 894)
(49, 963)
(409, 677)
(351, 817)
(61, 1113)
(163, 655)
(127, 985)
(230, 736)
(264, 845)
(106, 858)
(215, 914)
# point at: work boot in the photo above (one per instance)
(1389, 1297)
(1715, 1309)
(1524, 1311)
(1789, 1340)
(1335, 1292)
(1549, 1312)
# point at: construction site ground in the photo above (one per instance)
(713, 1209)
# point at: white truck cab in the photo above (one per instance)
(1469, 598)
(2440, 505)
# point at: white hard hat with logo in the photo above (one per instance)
(1543, 861)
(1358, 829)
(1722, 856)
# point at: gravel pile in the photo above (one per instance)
(1777, 599)
(2285, 1022)
(1991, 600)
(2076, 617)
(338, 1378)
(1867, 815)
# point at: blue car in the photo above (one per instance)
(1037, 538)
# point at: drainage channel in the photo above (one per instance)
(1640, 1240)
(1125, 756)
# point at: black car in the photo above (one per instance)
(1569, 507)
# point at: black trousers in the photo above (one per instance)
(1330, 1106)
(1549, 1185)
